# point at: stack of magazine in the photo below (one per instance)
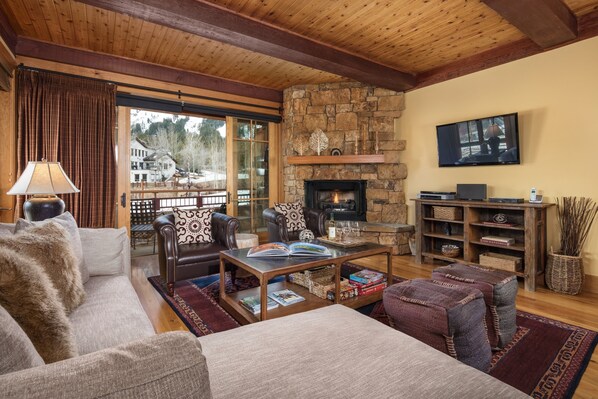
(368, 281)
(252, 303)
(282, 297)
(286, 297)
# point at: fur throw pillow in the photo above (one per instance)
(48, 244)
(27, 293)
(67, 221)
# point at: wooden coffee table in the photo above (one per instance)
(266, 269)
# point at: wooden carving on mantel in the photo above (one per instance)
(301, 145)
(318, 141)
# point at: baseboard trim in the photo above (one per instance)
(590, 284)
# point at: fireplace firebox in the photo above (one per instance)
(346, 198)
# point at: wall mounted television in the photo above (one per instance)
(492, 140)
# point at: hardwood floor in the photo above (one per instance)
(579, 310)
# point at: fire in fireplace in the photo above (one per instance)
(346, 198)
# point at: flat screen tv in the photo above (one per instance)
(486, 141)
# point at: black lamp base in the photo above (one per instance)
(40, 208)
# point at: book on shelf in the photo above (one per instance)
(495, 224)
(371, 289)
(252, 303)
(367, 285)
(366, 277)
(361, 288)
(347, 291)
(286, 297)
(498, 240)
(283, 249)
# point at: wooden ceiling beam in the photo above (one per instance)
(203, 19)
(547, 22)
(7, 33)
(90, 59)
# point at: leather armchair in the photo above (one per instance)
(184, 261)
(277, 225)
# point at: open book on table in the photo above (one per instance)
(294, 249)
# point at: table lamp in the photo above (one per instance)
(43, 180)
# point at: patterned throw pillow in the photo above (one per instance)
(293, 213)
(193, 225)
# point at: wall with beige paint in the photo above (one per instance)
(556, 96)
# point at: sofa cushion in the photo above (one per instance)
(166, 366)
(7, 229)
(67, 221)
(293, 214)
(111, 315)
(336, 352)
(48, 244)
(193, 225)
(16, 350)
(27, 293)
(106, 251)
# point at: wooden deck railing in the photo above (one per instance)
(165, 200)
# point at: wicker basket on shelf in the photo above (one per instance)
(564, 273)
(306, 277)
(450, 250)
(321, 285)
(500, 261)
(448, 212)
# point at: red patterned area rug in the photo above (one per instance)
(546, 359)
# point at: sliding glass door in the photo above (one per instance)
(249, 172)
(193, 161)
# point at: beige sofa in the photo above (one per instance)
(333, 352)
(111, 314)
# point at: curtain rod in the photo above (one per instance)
(163, 91)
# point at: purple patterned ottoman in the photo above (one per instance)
(499, 289)
(447, 317)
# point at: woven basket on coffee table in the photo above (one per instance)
(564, 273)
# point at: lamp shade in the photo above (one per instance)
(493, 131)
(43, 178)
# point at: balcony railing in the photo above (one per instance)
(165, 200)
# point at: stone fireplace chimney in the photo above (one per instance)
(356, 119)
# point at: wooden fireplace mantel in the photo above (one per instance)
(334, 159)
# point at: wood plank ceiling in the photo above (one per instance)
(264, 46)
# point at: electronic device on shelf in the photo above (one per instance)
(507, 200)
(437, 195)
(471, 192)
(538, 199)
(535, 197)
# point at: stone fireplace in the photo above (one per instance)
(358, 120)
(345, 198)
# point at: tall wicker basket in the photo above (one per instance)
(564, 273)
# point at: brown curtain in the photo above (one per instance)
(71, 120)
